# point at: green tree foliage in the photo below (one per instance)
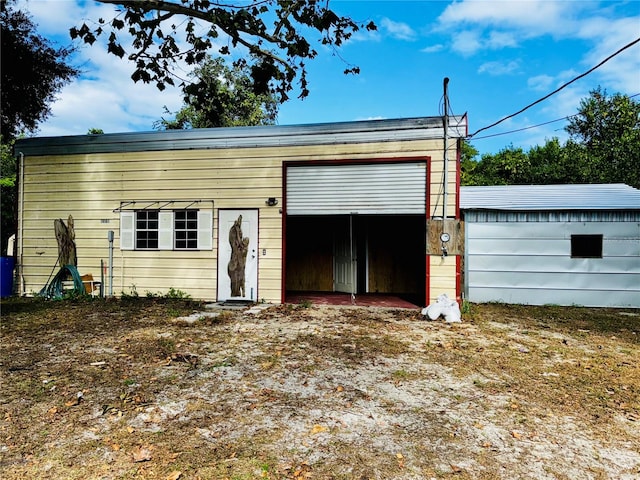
(608, 129)
(468, 154)
(273, 36)
(509, 166)
(220, 96)
(604, 147)
(32, 72)
(7, 191)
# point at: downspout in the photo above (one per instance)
(21, 222)
(445, 176)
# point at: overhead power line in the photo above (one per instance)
(537, 125)
(629, 45)
(523, 128)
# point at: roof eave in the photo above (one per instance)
(365, 131)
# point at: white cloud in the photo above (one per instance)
(116, 103)
(540, 83)
(377, 117)
(364, 35)
(433, 48)
(104, 96)
(533, 15)
(480, 26)
(466, 43)
(469, 42)
(498, 40)
(499, 68)
(398, 30)
(608, 36)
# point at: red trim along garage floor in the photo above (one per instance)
(363, 300)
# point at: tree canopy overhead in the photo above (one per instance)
(32, 71)
(219, 96)
(272, 36)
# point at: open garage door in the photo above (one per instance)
(356, 228)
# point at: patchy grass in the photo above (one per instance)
(120, 389)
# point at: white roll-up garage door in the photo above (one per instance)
(377, 188)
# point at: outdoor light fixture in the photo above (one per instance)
(272, 201)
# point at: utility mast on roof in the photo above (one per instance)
(445, 121)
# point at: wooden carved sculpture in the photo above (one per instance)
(239, 249)
(66, 237)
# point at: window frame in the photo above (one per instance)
(140, 233)
(190, 232)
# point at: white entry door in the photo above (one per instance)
(344, 257)
(238, 254)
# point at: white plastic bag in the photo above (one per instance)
(445, 307)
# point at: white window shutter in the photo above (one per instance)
(205, 230)
(127, 230)
(165, 230)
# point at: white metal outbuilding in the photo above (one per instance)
(552, 244)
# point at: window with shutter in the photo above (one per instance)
(189, 229)
(205, 230)
(127, 230)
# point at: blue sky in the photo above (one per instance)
(500, 56)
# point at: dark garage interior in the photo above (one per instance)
(387, 251)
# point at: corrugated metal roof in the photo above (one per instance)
(422, 128)
(615, 196)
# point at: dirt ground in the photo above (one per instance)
(153, 389)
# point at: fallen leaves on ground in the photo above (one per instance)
(117, 388)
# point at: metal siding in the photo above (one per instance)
(380, 188)
(479, 216)
(91, 187)
(530, 263)
(504, 264)
(541, 198)
(533, 296)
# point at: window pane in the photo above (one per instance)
(586, 246)
(185, 229)
(146, 229)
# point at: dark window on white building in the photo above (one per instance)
(586, 246)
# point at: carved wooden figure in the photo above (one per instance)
(66, 236)
(236, 266)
